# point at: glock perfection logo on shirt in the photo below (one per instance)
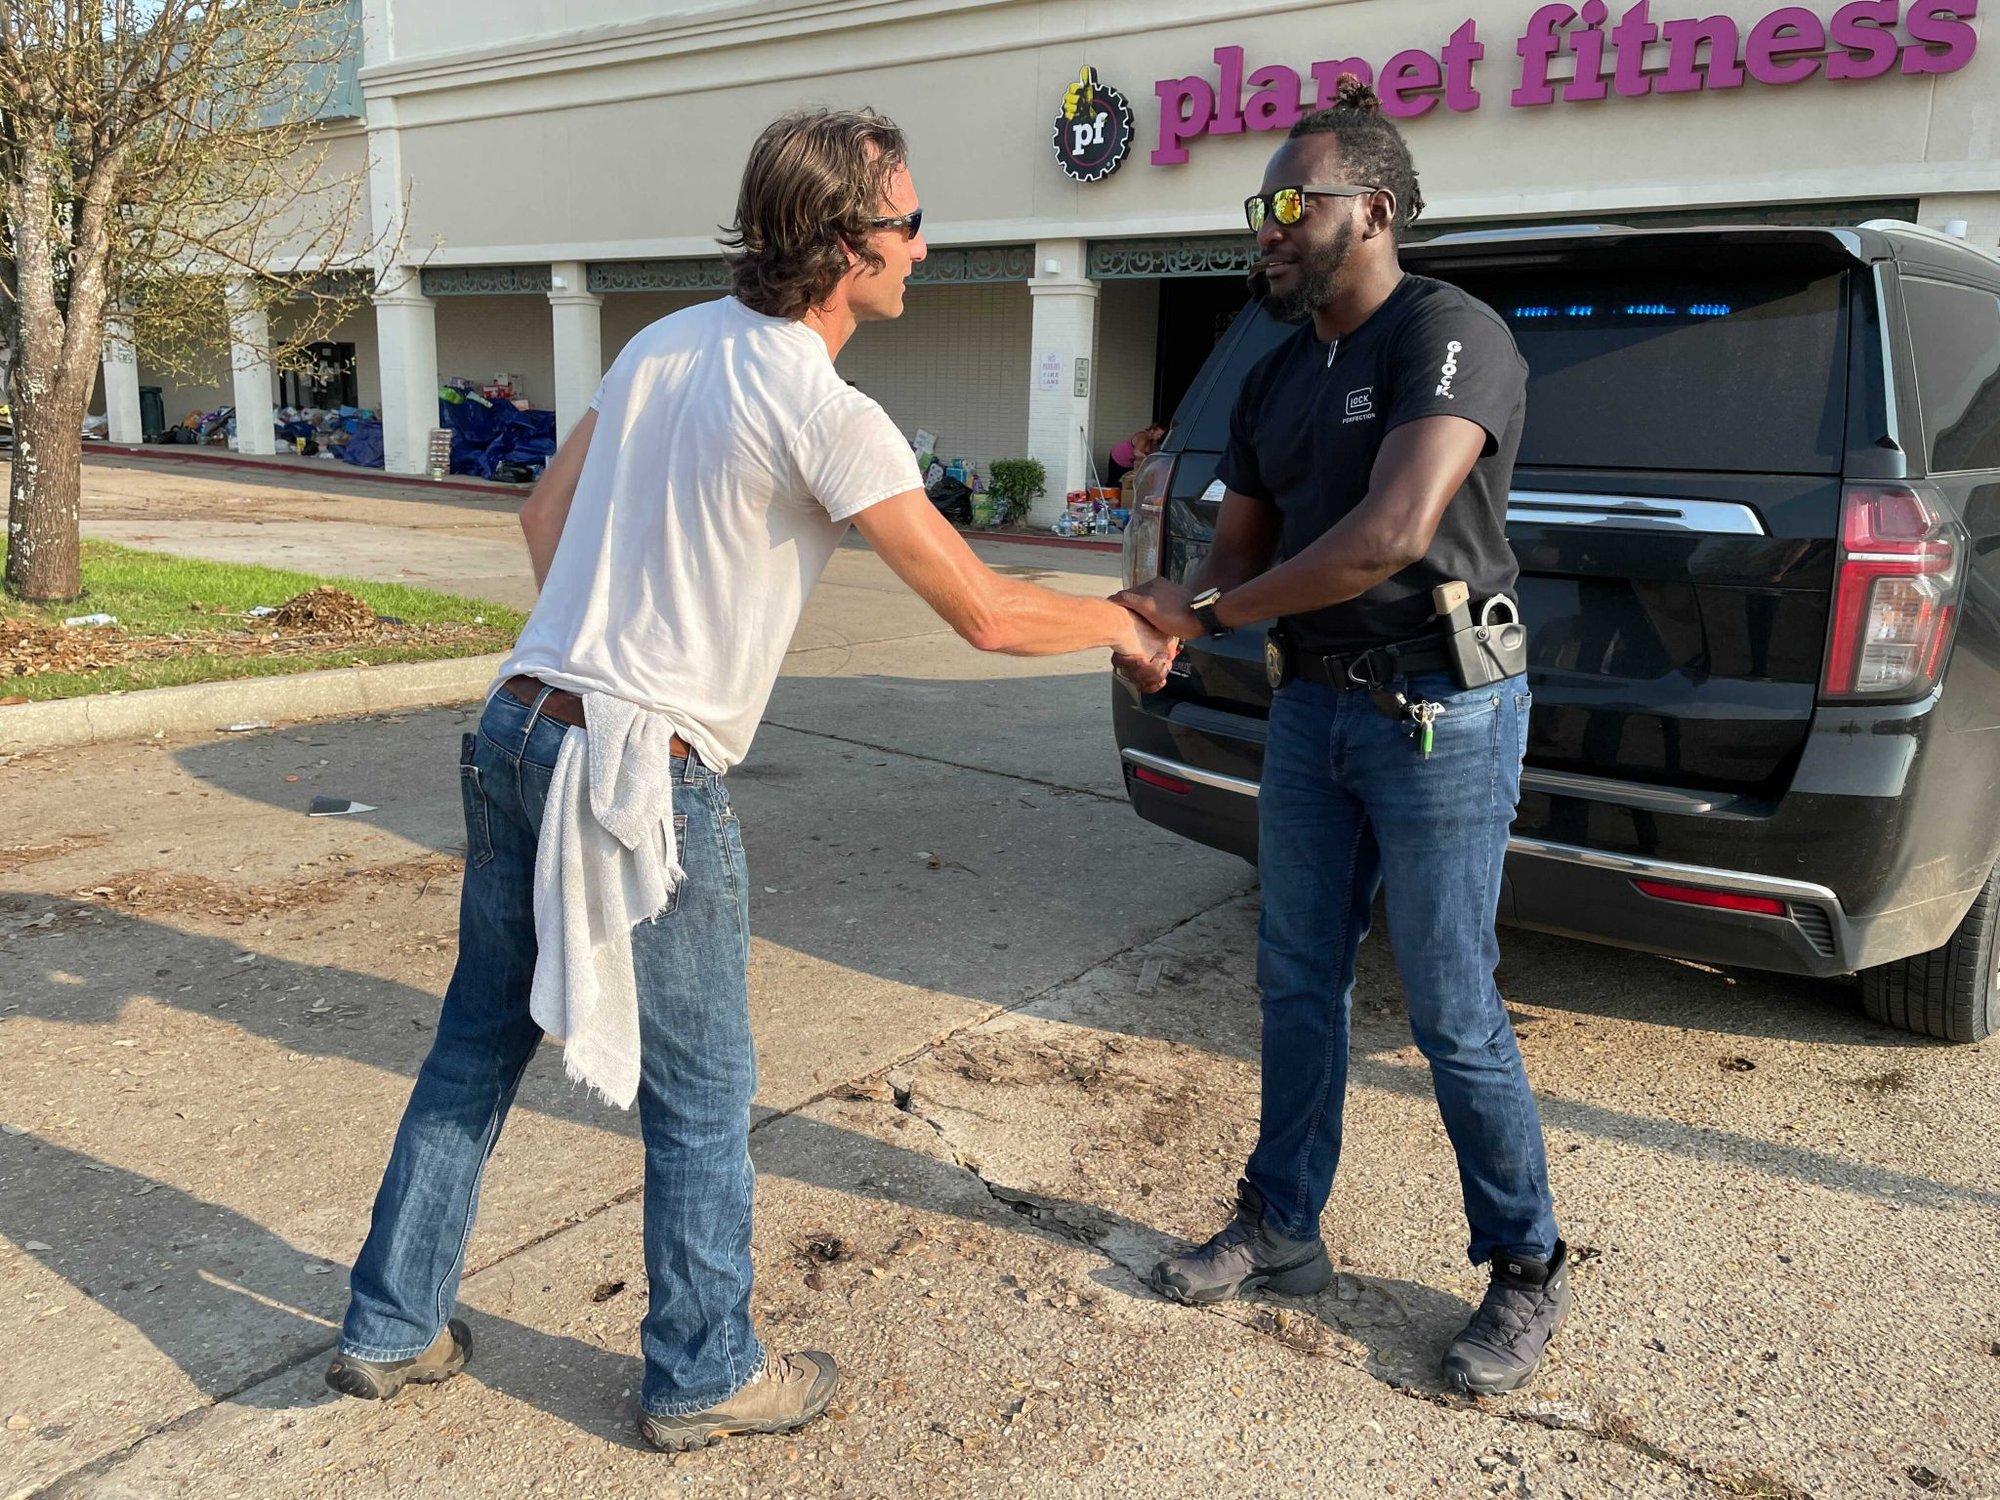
(1093, 133)
(1449, 369)
(1360, 404)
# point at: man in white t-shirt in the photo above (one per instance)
(676, 536)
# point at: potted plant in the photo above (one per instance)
(1015, 484)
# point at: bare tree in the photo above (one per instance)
(160, 160)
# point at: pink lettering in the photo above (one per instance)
(1327, 76)
(1409, 84)
(1275, 104)
(1228, 93)
(1685, 38)
(1788, 45)
(1629, 40)
(1932, 24)
(1540, 43)
(1186, 107)
(1588, 45)
(1773, 56)
(1860, 31)
(1460, 53)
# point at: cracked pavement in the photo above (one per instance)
(1008, 1045)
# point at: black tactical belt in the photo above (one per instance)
(1372, 668)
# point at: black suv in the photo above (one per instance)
(1757, 511)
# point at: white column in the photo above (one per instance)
(250, 368)
(121, 381)
(406, 333)
(1061, 377)
(579, 332)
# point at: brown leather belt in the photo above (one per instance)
(561, 705)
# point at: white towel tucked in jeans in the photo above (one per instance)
(607, 860)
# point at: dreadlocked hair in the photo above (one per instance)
(1371, 146)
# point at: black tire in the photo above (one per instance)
(1950, 992)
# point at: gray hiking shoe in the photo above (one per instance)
(1246, 1255)
(787, 1393)
(379, 1379)
(1526, 1302)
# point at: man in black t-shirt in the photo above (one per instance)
(1370, 454)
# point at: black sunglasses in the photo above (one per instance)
(1288, 204)
(911, 223)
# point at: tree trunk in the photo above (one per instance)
(42, 497)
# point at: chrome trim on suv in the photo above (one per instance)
(1625, 864)
(1666, 869)
(1605, 789)
(1634, 512)
(1195, 774)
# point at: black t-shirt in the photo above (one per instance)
(1307, 427)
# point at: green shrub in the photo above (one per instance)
(1016, 483)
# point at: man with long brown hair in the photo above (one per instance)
(676, 536)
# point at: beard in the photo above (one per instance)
(1316, 281)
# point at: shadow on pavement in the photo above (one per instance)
(420, 803)
(201, 1281)
(202, 1284)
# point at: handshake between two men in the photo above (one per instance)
(1162, 619)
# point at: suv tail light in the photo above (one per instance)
(1896, 594)
(1145, 532)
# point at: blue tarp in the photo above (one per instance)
(483, 436)
(364, 448)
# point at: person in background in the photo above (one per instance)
(1126, 455)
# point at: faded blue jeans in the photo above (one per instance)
(1350, 806)
(696, 1079)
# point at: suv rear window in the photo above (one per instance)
(1671, 370)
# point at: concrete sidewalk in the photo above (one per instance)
(1008, 1038)
(1008, 1042)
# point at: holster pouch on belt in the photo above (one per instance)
(1484, 651)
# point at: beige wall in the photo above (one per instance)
(1128, 328)
(632, 145)
(478, 337)
(427, 28)
(625, 313)
(183, 394)
(956, 365)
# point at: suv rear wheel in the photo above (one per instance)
(1950, 992)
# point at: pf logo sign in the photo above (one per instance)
(1093, 133)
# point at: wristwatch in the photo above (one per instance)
(1202, 607)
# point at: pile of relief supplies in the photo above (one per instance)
(491, 437)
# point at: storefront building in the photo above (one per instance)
(1081, 167)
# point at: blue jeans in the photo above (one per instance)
(697, 1075)
(1350, 806)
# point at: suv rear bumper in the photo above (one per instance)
(1550, 886)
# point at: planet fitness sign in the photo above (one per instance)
(1631, 58)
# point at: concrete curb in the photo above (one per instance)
(191, 457)
(340, 693)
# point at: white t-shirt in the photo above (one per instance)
(728, 460)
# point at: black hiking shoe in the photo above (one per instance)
(1526, 1302)
(379, 1379)
(790, 1391)
(1246, 1255)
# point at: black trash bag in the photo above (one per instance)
(953, 498)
